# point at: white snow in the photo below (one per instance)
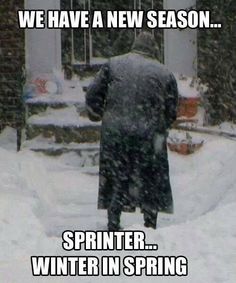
(226, 127)
(40, 197)
(72, 93)
(190, 87)
(67, 116)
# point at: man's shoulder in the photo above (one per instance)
(146, 62)
(120, 57)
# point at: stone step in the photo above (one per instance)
(64, 134)
(73, 94)
(64, 125)
(57, 125)
(87, 153)
(41, 107)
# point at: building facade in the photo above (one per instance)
(38, 51)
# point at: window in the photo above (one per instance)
(92, 47)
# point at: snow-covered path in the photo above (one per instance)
(41, 197)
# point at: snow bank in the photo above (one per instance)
(8, 139)
(21, 233)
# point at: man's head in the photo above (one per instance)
(145, 43)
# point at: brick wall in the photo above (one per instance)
(12, 59)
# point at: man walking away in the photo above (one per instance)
(136, 98)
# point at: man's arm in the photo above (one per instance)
(96, 94)
(171, 101)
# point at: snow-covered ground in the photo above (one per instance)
(41, 197)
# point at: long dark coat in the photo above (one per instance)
(136, 98)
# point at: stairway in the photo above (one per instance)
(57, 124)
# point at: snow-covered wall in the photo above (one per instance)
(43, 46)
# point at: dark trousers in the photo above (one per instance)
(150, 218)
(135, 166)
(115, 209)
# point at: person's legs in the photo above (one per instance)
(114, 212)
(118, 201)
(148, 185)
(120, 179)
(150, 218)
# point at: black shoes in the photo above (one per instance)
(150, 219)
(114, 224)
(114, 228)
(148, 224)
(114, 221)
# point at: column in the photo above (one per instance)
(181, 45)
(43, 46)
